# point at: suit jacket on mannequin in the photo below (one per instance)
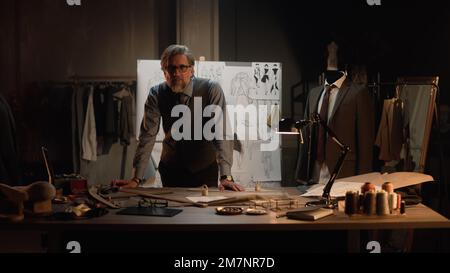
(352, 119)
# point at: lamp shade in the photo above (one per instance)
(287, 126)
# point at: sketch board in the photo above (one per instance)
(243, 84)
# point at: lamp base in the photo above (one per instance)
(323, 203)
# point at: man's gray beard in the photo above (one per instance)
(177, 88)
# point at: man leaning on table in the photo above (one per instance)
(184, 163)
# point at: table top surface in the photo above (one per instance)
(198, 219)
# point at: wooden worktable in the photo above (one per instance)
(205, 219)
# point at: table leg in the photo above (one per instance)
(53, 241)
(354, 241)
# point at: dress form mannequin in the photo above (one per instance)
(332, 74)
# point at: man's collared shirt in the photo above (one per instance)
(333, 95)
(151, 125)
(321, 173)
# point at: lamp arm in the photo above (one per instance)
(335, 173)
(344, 151)
(328, 130)
(299, 125)
(315, 118)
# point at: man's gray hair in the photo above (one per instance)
(173, 50)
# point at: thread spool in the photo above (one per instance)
(258, 186)
(392, 202)
(388, 187)
(403, 207)
(370, 203)
(205, 190)
(351, 202)
(367, 187)
(361, 203)
(382, 203)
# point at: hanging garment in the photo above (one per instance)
(417, 103)
(390, 136)
(106, 116)
(126, 125)
(79, 105)
(89, 141)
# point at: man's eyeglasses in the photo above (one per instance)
(181, 68)
(153, 203)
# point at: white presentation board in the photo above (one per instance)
(243, 84)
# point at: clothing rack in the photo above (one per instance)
(102, 78)
(443, 185)
(403, 82)
(75, 79)
(376, 88)
(431, 81)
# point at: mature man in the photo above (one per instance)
(184, 162)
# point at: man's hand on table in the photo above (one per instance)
(229, 185)
(223, 185)
(127, 184)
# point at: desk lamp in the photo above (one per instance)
(289, 126)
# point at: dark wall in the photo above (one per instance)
(48, 41)
(252, 31)
(98, 37)
(398, 38)
(7, 47)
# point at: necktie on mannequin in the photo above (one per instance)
(321, 138)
